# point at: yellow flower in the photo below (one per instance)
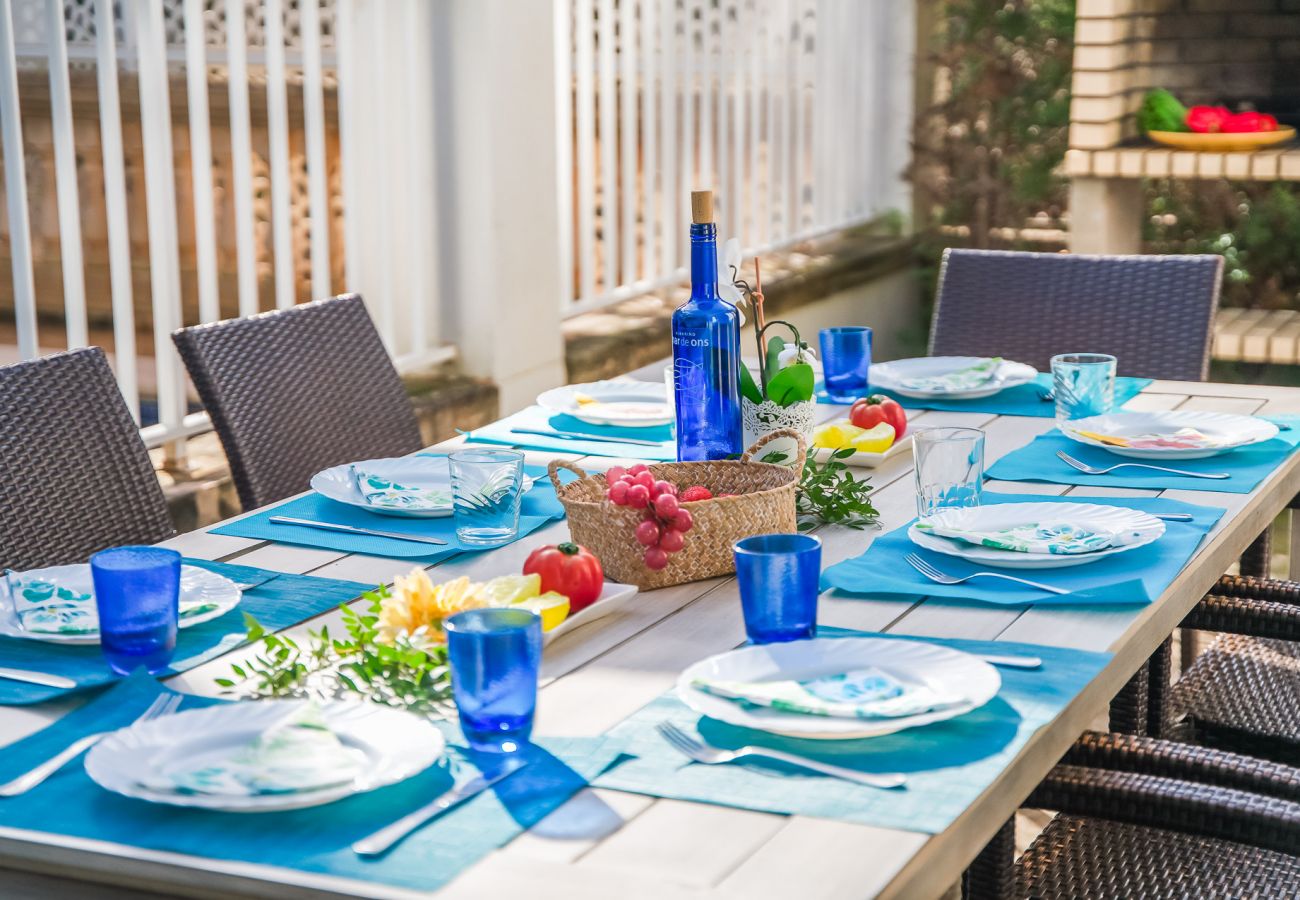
(416, 607)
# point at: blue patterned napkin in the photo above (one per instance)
(1023, 400)
(536, 418)
(1247, 466)
(315, 840)
(947, 764)
(538, 507)
(277, 600)
(1134, 576)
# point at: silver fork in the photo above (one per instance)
(163, 705)
(1093, 470)
(938, 577)
(710, 755)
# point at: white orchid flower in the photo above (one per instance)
(729, 268)
(793, 354)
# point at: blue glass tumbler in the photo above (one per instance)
(494, 655)
(846, 361)
(137, 593)
(779, 575)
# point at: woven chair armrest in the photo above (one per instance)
(1172, 805)
(1188, 762)
(1249, 587)
(1239, 615)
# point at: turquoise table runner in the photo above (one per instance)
(1247, 466)
(539, 506)
(536, 418)
(947, 764)
(1025, 400)
(277, 600)
(1135, 576)
(315, 840)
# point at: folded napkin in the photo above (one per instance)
(967, 379)
(379, 491)
(297, 753)
(1052, 537)
(859, 694)
(61, 600)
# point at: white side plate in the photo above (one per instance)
(867, 460)
(945, 670)
(1229, 431)
(998, 516)
(890, 375)
(628, 404)
(397, 745)
(612, 599)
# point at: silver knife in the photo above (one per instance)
(54, 681)
(1012, 662)
(352, 529)
(1174, 517)
(386, 837)
(577, 436)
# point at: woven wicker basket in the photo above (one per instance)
(764, 505)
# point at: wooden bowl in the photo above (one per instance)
(1222, 142)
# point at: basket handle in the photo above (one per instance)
(748, 455)
(553, 470)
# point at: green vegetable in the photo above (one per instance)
(1161, 111)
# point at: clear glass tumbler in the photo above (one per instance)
(1084, 384)
(778, 576)
(486, 487)
(494, 656)
(137, 593)
(846, 361)
(949, 468)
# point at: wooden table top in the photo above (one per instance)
(596, 676)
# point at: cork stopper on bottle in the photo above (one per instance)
(702, 207)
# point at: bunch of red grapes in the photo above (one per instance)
(664, 521)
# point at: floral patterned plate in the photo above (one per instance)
(57, 604)
(412, 487)
(1169, 434)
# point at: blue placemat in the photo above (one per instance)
(948, 764)
(277, 600)
(1135, 576)
(315, 840)
(534, 417)
(1247, 466)
(1024, 400)
(538, 507)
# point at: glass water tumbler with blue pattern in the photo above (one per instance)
(494, 656)
(778, 575)
(1084, 385)
(137, 595)
(706, 352)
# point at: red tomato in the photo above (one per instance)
(1248, 123)
(869, 412)
(570, 570)
(1208, 119)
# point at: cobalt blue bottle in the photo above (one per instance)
(706, 351)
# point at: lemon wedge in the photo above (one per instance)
(553, 608)
(584, 399)
(874, 440)
(507, 590)
(836, 436)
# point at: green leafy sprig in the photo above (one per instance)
(404, 674)
(828, 494)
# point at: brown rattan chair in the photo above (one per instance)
(77, 477)
(298, 390)
(1155, 313)
(1152, 819)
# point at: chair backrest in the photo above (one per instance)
(1155, 313)
(298, 390)
(74, 475)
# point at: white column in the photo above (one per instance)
(1106, 215)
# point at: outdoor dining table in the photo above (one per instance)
(595, 676)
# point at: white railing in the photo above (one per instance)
(796, 112)
(266, 214)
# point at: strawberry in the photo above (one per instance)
(696, 492)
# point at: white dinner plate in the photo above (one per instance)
(891, 375)
(942, 669)
(199, 587)
(1229, 431)
(613, 598)
(397, 745)
(425, 472)
(627, 404)
(1008, 515)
